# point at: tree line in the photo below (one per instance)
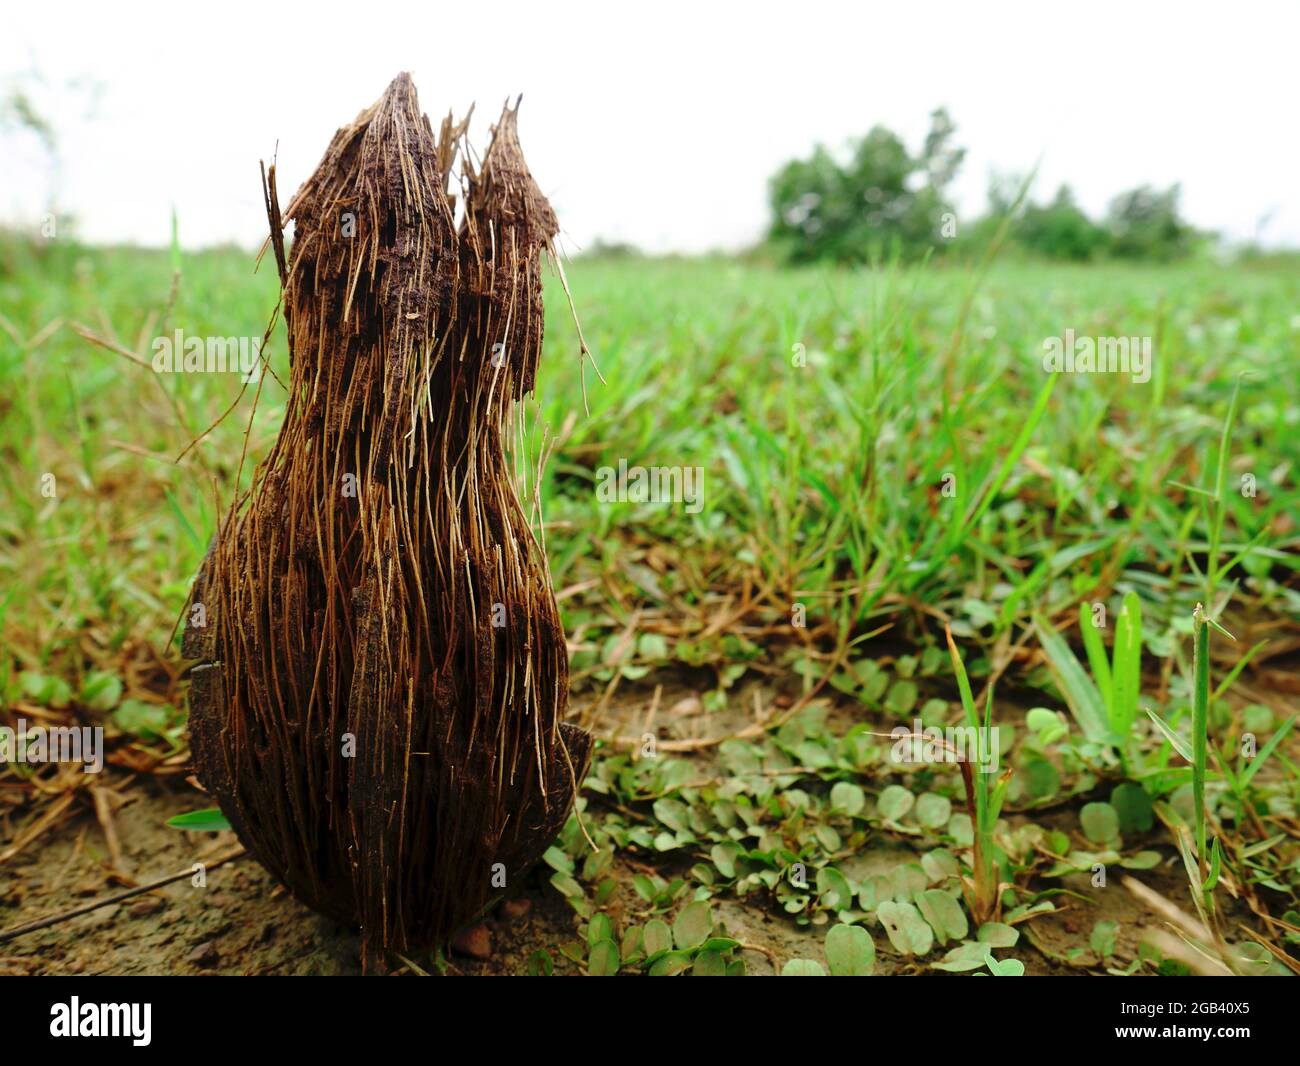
(879, 200)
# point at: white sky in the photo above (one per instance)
(660, 123)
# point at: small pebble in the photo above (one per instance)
(146, 905)
(686, 707)
(204, 955)
(476, 942)
(514, 909)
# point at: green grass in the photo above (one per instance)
(823, 483)
(987, 793)
(883, 456)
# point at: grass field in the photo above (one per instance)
(882, 455)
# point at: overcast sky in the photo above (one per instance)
(658, 123)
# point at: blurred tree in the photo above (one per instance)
(1005, 192)
(601, 248)
(1060, 230)
(1144, 224)
(18, 112)
(34, 116)
(878, 201)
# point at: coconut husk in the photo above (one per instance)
(383, 678)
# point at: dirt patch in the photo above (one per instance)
(242, 922)
(239, 922)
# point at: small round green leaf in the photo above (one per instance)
(693, 925)
(847, 797)
(895, 801)
(940, 864)
(1102, 940)
(101, 691)
(602, 961)
(902, 696)
(1100, 822)
(656, 937)
(1133, 807)
(803, 968)
(997, 935)
(670, 964)
(850, 951)
(1005, 968)
(833, 891)
(944, 914)
(933, 810)
(907, 930)
(599, 928)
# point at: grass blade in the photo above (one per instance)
(1080, 693)
(1128, 668)
(1262, 755)
(1180, 745)
(1097, 660)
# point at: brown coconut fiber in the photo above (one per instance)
(378, 707)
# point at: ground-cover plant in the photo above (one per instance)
(1104, 705)
(1239, 769)
(985, 789)
(1203, 863)
(1201, 849)
(790, 821)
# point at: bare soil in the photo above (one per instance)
(241, 922)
